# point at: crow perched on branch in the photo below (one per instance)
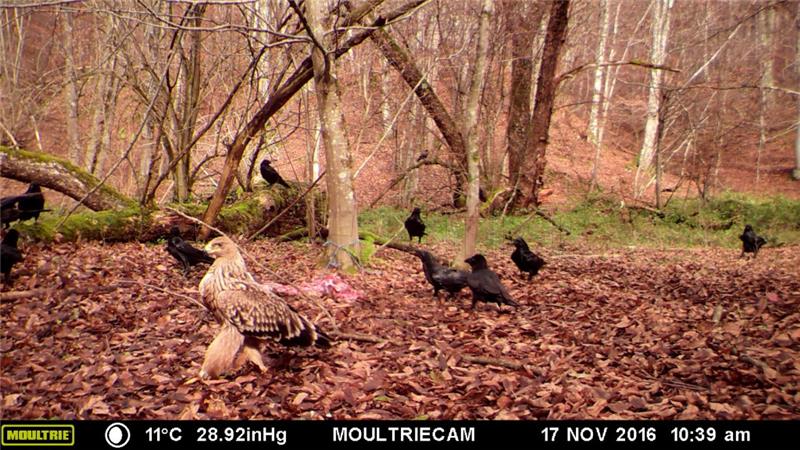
(248, 312)
(525, 259)
(441, 277)
(751, 242)
(485, 284)
(415, 226)
(270, 175)
(9, 254)
(184, 253)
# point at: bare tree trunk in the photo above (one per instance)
(404, 64)
(661, 19)
(71, 92)
(108, 88)
(189, 98)
(342, 212)
(763, 30)
(283, 94)
(597, 94)
(545, 97)
(519, 105)
(796, 172)
(471, 129)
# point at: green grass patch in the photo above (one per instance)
(604, 222)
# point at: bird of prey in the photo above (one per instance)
(485, 284)
(270, 175)
(248, 312)
(9, 254)
(751, 242)
(185, 253)
(415, 226)
(525, 259)
(441, 277)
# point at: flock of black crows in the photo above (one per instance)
(485, 284)
(482, 281)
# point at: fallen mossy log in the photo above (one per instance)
(140, 224)
(62, 176)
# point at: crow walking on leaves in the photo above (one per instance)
(441, 277)
(751, 242)
(248, 313)
(525, 259)
(184, 253)
(485, 284)
(9, 254)
(415, 226)
(270, 175)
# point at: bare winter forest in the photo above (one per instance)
(226, 186)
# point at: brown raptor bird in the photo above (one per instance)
(248, 312)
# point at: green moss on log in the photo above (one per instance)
(112, 225)
(85, 178)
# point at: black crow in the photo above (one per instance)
(22, 207)
(185, 253)
(485, 284)
(525, 259)
(31, 204)
(9, 254)
(751, 242)
(414, 225)
(9, 213)
(270, 175)
(441, 277)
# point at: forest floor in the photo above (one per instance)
(612, 333)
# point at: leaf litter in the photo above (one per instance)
(631, 334)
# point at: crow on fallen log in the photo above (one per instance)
(270, 175)
(22, 207)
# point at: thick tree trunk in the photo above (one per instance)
(342, 211)
(520, 27)
(60, 175)
(471, 129)
(283, 94)
(545, 97)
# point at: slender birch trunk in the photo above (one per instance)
(658, 47)
(342, 212)
(471, 129)
(597, 95)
